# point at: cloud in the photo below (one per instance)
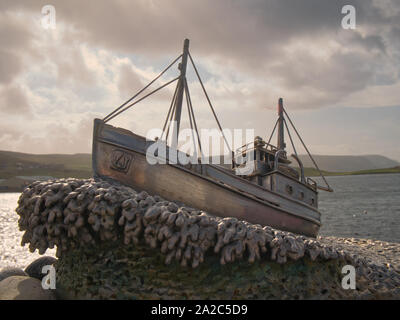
(249, 53)
(16, 40)
(58, 136)
(13, 101)
(10, 66)
(129, 81)
(72, 67)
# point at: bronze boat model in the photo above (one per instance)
(272, 194)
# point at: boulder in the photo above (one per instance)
(9, 271)
(24, 288)
(34, 270)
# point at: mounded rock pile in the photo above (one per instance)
(72, 214)
(69, 212)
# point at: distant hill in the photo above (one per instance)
(16, 163)
(18, 169)
(312, 172)
(349, 163)
(342, 164)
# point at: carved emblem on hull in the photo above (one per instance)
(120, 160)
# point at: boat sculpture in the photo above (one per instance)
(271, 193)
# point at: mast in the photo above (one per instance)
(281, 139)
(179, 96)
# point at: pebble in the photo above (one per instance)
(24, 288)
(34, 269)
(380, 253)
(9, 271)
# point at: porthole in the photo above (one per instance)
(289, 189)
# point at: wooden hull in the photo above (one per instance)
(120, 155)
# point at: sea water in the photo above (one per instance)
(362, 206)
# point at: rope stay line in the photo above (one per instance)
(190, 119)
(169, 111)
(290, 136)
(273, 131)
(169, 122)
(194, 119)
(106, 118)
(295, 155)
(210, 104)
(144, 97)
(329, 189)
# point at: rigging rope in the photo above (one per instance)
(190, 119)
(169, 110)
(290, 136)
(137, 101)
(272, 133)
(107, 117)
(170, 119)
(194, 119)
(308, 152)
(209, 102)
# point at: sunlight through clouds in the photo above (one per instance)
(248, 53)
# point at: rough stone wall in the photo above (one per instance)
(112, 271)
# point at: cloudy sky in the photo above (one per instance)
(340, 86)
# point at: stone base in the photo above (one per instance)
(117, 271)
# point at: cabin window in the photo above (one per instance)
(289, 189)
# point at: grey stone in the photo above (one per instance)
(24, 288)
(34, 270)
(8, 272)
